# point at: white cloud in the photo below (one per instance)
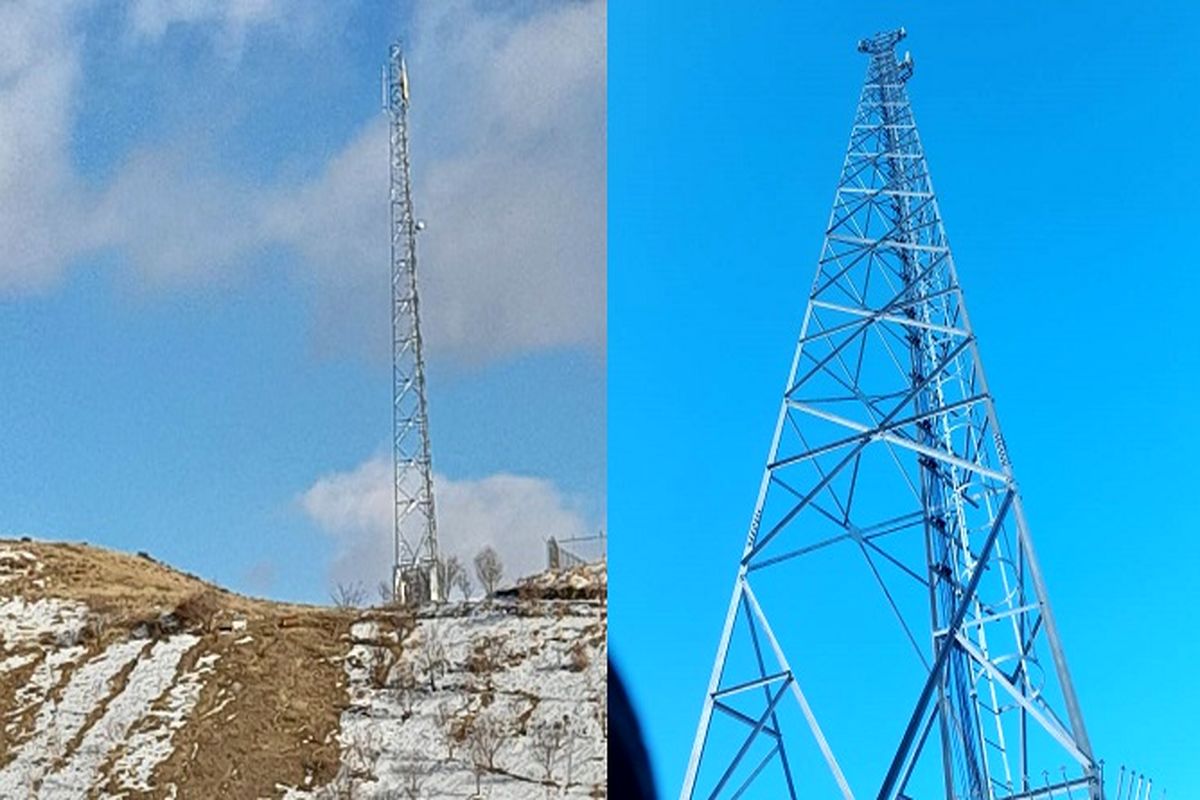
(513, 513)
(175, 221)
(508, 144)
(177, 225)
(40, 207)
(516, 237)
(509, 149)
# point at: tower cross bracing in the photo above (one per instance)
(887, 471)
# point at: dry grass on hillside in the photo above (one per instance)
(267, 714)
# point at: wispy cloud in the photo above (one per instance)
(41, 214)
(228, 21)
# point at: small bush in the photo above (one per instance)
(348, 595)
(198, 610)
(485, 656)
(380, 668)
(579, 660)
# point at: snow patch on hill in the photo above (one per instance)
(411, 722)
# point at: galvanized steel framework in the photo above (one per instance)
(415, 573)
(887, 397)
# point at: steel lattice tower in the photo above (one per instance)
(887, 452)
(415, 573)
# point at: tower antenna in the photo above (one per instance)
(415, 567)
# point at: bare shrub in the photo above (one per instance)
(578, 657)
(450, 574)
(387, 596)
(414, 771)
(572, 733)
(450, 725)
(485, 657)
(489, 569)
(406, 689)
(601, 710)
(96, 626)
(360, 754)
(381, 667)
(462, 582)
(431, 657)
(198, 610)
(485, 737)
(403, 619)
(348, 595)
(548, 739)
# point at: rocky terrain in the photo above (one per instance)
(123, 678)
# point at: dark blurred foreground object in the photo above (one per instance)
(629, 776)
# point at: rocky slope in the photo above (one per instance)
(122, 678)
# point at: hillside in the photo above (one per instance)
(123, 678)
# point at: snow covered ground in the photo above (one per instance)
(535, 684)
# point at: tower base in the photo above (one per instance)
(416, 583)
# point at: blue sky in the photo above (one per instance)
(1060, 143)
(194, 291)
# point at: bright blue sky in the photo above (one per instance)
(194, 297)
(1060, 141)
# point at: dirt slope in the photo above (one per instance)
(120, 677)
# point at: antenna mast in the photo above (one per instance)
(414, 574)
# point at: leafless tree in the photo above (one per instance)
(450, 726)
(484, 659)
(348, 595)
(548, 739)
(431, 657)
(463, 584)
(380, 669)
(484, 740)
(578, 657)
(406, 689)
(359, 756)
(386, 595)
(449, 570)
(571, 732)
(489, 569)
(415, 770)
(600, 693)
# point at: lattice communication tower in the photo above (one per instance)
(888, 494)
(415, 570)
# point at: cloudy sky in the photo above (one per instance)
(194, 278)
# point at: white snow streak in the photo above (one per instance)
(151, 676)
(149, 746)
(58, 723)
